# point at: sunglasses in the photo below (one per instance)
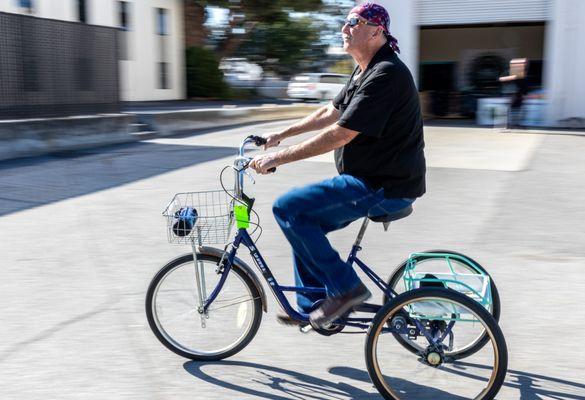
(351, 22)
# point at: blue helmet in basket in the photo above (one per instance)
(185, 219)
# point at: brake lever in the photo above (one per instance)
(247, 164)
(259, 141)
(246, 172)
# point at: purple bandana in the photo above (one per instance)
(378, 15)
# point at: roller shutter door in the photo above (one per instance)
(460, 12)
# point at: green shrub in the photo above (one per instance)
(204, 78)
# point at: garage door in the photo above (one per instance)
(456, 12)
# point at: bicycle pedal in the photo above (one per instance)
(306, 328)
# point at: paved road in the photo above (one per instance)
(81, 236)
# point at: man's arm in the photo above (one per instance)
(508, 78)
(319, 119)
(333, 137)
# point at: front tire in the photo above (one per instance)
(172, 309)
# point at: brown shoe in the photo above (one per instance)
(285, 319)
(335, 307)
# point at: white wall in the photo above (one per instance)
(9, 6)
(100, 12)
(64, 10)
(565, 62)
(138, 76)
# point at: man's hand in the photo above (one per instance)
(272, 140)
(261, 164)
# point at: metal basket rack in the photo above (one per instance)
(476, 286)
(214, 217)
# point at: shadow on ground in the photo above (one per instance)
(274, 383)
(530, 386)
(277, 383)
(33, 182)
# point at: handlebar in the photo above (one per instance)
(241, 163)
(258, 141)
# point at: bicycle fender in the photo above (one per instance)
(245, 267)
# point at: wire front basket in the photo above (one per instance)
(199, 217)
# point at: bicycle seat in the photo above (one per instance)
(393, 216)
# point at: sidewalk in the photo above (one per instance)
(470, 123)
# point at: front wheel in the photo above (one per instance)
(437, 320)
(175, 315)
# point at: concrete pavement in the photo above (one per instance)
(81, 236)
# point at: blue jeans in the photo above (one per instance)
(307, 214)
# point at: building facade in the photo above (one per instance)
(448, 37)
(151, 40)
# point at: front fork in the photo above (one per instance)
(223, 269)
(200, 280)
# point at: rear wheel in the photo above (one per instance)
(176, 318)
(461, 264)
(437, 320)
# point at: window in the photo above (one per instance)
(338, 79)
(162, 30)
(124, 15)
(329, 79)
(124, 24)
(163, 75)
(82, 11)
(162, 22)
(28, 5)
(306, 78)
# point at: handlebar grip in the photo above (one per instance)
(271, 170)
(258, 140)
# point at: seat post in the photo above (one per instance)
(362, 231)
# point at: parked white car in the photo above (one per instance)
(239, 72)
(316, 86)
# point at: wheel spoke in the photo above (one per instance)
(424, 376)
(233, 303)
(174, 316)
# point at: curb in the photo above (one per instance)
(168, 123)
(34, 137)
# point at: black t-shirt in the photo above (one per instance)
(382, 104)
